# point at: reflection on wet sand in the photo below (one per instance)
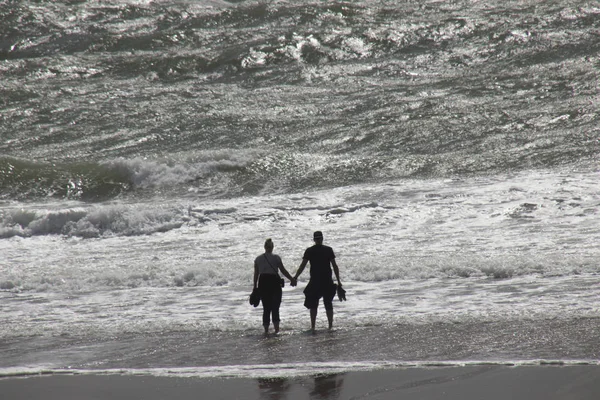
(319, 387)
(273, 388)
(327, 386)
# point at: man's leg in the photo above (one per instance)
(313, 318)
(328, 303)
(330, 317)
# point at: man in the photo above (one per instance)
(320, 285)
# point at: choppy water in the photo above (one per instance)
(449, 152)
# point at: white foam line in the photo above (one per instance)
(281, 370)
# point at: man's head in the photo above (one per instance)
(318, 237)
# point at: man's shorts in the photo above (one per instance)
(313, 294)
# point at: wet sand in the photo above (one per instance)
(464, 383)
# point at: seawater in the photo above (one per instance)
(448, 151)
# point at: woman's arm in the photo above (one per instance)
(255, 275)
(285, 272)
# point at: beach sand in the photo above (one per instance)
(464, 383)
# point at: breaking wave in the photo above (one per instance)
(93, 182)
(90, 223)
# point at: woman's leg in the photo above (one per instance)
(275, 309)
(268, 305)
(266, 316)
(268, 285)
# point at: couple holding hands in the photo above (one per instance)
(268, 284)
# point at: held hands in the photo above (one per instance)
(293, 282)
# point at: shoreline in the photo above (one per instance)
(490, 382)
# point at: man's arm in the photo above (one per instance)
(300, 269)
(336, 271)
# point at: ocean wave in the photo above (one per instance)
(23, 179)
(95, 222)
(216, 174)
(305, 32)
(98, 181)
(333, 93)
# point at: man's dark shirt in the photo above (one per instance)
(320, 257)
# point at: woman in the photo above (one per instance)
(266, 276)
